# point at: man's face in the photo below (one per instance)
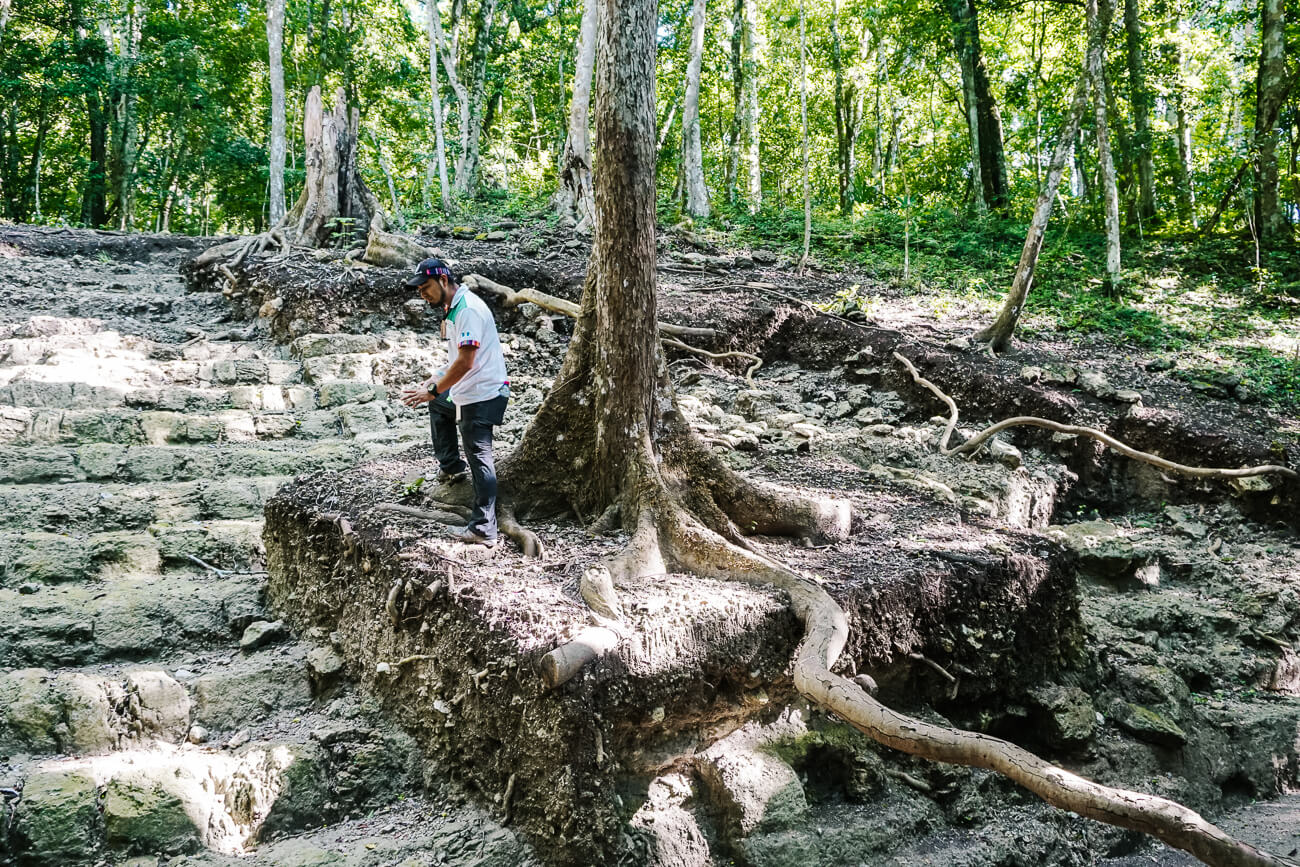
(433, 290)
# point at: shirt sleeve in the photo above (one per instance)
(469, 329)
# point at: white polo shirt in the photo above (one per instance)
(469, 322)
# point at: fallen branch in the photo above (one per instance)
(448, 517)
(973, 444)
(515, 297)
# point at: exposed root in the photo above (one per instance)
(756, 362)
(514, 297)
(528, 541)
(973, 444)
(448, 518)
(826, 631)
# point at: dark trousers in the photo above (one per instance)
(475, 428)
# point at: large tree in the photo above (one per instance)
(1270, 93)
(275, 46)
(610, 444)
(697, 192)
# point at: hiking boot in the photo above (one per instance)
(446, 478)
(473, 537)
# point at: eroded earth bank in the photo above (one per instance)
(228, 632)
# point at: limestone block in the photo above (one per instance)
(355, 367)
(151, 464)
(100, 460)
(59, 817)
(316, 345)
(275, 427)
(142, 817)
(1066, 713)
(89, 714)
(159, 704)
(337, 393)
(363, 418)
(46, 557)
(325, 668)
(230, 699)
(1147, 725)
(42, 464)
(260, 633)
(1105, 553)
(31, 710)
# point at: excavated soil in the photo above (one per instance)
(1137, 628)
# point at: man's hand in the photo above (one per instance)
(416, 396)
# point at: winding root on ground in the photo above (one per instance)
(973, 444)
(514, 297)
(684, 524)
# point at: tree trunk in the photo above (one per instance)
(472, 114)
(1270, 93)
(1102, 10)
(998, 335)
(737, 98)
(127, 127)
(610, 434)
(846, 118)
(435, 102)
(1140, 97)
(983, 118)
(803, 122)
(750, 130)
(1183, 166)
(697, 193)
(275, 46)
(93, 205)
(574, 198)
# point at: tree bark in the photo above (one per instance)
(574, 198)
(472, 114)
(983, 118)
(275, 51)
(434, 26)
(803, 122)
(750, 129)
(697, 193)
(1270, 92)
(1102, 11)
(93, 205)
(737, 99)
(127, 126)
(998, 334)
(847, 119)
(1140, 98)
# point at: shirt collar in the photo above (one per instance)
(457, 302)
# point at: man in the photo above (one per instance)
(469, 395)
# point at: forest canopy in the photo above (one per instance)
(148, 115)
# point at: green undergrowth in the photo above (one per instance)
(1198, 302)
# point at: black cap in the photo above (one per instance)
(426, 269)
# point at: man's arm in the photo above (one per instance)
(441, 383)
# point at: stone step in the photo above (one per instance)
(90, 712)
(129, 371)
(125, 618)
(94, 508)
(24, 465)
(30, 558)
(349, 409)
(168, 800)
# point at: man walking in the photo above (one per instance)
(468, 396)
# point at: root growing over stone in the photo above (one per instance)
(972, 445)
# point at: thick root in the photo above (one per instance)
(825, 634)
(528, 541)
(973, 444)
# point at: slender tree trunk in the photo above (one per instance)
(128, 130)
(1270, 93)
(750, 129)
(1101, 11)
(998, 335)
(447, 51)
(803, 121)
(983, 118)
(279, 145)
(1183, 166)
(467, 168)
(1141, 100)
(33, 185)
(93, 206)
(960, 11)
(434, 26)
(574, 199)
(697, 193)
(668, 125)
(845, 122)
(737, 98)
